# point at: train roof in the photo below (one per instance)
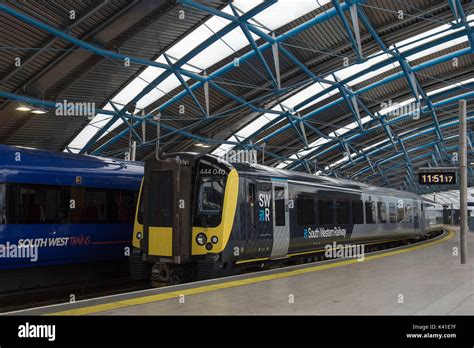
(28, 165)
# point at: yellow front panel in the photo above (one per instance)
(160, 241)
(228, 214)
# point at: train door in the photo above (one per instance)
(167, 199)
(259, 216)
(281, 220)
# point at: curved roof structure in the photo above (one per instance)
(359, 89)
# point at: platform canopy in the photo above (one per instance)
(366, 90)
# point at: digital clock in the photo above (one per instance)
(437, 178)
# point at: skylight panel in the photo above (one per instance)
(285, 11)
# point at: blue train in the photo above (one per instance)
(60, 208)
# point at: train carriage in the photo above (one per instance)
(203, 217)
(63, 209)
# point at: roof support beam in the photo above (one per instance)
(355, 42)
(244, 26)
(330, 146)
(185, 85)
(281, 38)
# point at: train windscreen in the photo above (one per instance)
(209, 201)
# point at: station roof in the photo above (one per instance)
(363, 90)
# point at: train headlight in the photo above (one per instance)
(209, 246)
(214, 239)
(201, 239)
(139, 235)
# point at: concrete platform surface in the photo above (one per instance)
(421, 279)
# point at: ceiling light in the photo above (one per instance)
(39, 111)
(202, 145)
(22, 107)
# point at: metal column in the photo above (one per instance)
(463, 176)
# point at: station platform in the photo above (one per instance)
(421, 279)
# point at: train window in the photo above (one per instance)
(251, 203)
(400, 211)
(120, 207)
(3, 204)
(326, 212)
(13, 206)
(408, 213)
(209, 201)
(73, 204)
(279, 206)
(161, 199)
(39, 204)
(392, 213)
(305, 210)
(342, 212)
(382, 212)
(357, 212)
(415, 210)
(370, 212)
(95, 206)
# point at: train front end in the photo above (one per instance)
(188, 206)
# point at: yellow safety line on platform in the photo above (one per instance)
(230, 284)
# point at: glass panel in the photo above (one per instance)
(400, 211)
(370, 212)
(3, 204)
(251, 203)
(342, 212)
(209, 201)
(39, 204)
(305, 210)
(279, 206)
(95, 206)
(161, 198)
(326, 212)
(357, 212)
(393, 213)
(120, 206)
(408, 213)
(382, 212)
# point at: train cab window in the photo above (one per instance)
(342, 212)
(305, 210)
(3, 204)
(39, 204)
(251, 203)
(279, 206)
(392, 213)
(400, 211)
(370, 213)
(209, 201)
(326, 211)
(357, 212)
(381, 212)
